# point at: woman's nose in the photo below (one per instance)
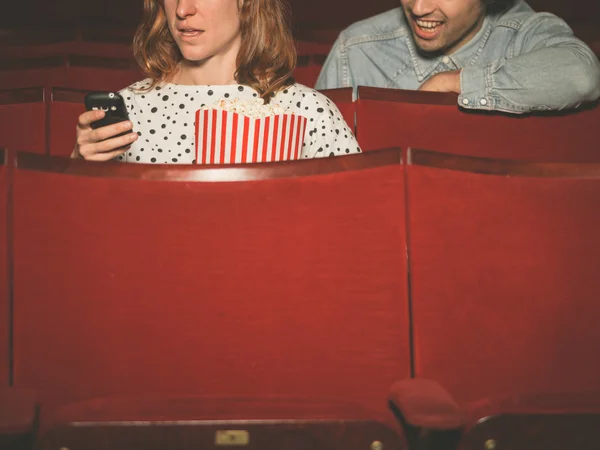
(186, 8)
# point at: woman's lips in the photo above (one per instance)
(190, 33)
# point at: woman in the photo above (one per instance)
(195, 53)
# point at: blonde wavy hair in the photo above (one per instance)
(266, 58)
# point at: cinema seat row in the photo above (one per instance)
(381, 300)
(43, 119)
(93, 60)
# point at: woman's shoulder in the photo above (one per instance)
(305, 99)
(138, 88)
(307, 92)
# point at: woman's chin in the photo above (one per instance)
(193, 59)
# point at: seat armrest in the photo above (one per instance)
(427, 405)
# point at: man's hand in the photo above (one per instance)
(443, 82)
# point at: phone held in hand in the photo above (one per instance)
(109, 102)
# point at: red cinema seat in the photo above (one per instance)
(306, 72)
(504, 259)
(314, 43)
(283, 279)
(432, 120)
(35, 71)
(66, 105)
(265, 423)
(433, 420)
(342, 98)
(4, 275)
(20, 42)
(100, 73)
(107, 42)
(23, 119)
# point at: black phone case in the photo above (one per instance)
(111, 103)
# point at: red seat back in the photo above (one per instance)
(66, 105)
(4, 287)
(307, 73)
(109, 42)
(268, 279)
(389, 117)
(504, 262)
(101, 73)
(23, 119)
(35, 41)
(29, 72)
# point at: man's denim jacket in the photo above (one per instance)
(519, 61)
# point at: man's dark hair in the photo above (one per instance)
(496, 6)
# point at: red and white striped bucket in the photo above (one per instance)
(226, 137)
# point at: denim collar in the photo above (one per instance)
(465, 56)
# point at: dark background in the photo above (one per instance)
(330, 14)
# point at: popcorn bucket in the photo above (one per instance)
(227, 137)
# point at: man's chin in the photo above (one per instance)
(430, 50)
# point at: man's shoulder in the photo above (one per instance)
(387, 25)
(521, 14)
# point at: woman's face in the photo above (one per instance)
(204, 29)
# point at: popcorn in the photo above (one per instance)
(247, 131)
(254, 108)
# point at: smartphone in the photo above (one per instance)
(109, 102)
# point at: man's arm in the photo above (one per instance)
(550, 70)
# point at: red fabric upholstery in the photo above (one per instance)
(182, 423)
(317, 49)
(101, 79)
(47, 46)
(191, 408)
(288, 287)
(565, 402)
(23, 121)
(31, 72)
(307, 75)
(18, 411)
(63, 115)
(504, 277)
(390, 118)
(424, 403)
(4, 289)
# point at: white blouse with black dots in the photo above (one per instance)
(164, 119)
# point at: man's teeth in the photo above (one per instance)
(427, 24)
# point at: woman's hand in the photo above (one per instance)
(101, 144)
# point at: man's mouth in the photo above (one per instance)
(429, 26)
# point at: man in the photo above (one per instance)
(496, 54)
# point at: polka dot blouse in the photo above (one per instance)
(164, 119)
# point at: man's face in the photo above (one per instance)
(443, 26)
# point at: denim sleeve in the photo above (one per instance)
(546, 68)
(332, 74)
